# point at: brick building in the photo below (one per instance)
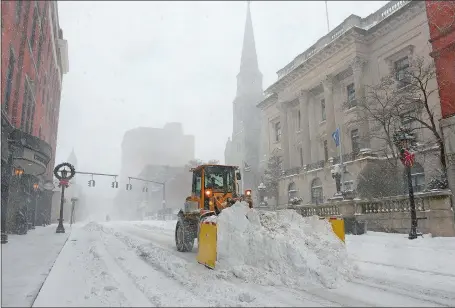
(441, 22)
(34, 59)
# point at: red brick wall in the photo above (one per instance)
(441, 20)
(16, 35)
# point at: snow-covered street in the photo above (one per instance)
(136, 264)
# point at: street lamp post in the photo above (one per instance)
(64, 177)
(261, 190)
(35, 189)
(403, 140)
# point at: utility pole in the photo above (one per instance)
(327, 17)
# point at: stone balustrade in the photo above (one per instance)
(392, 214)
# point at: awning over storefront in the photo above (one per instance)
(29, 152)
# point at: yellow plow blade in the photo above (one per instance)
(207, 244)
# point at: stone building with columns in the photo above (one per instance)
(317, 92)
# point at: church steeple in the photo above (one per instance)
(72, 159)
(249, 78)
(249, 61)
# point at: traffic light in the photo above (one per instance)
(91, 183)
(145, 189)
(114, 184)
(129, 186)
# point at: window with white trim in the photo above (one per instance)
(277, 131)
(316, 191)
(401, 71)
(350, 89)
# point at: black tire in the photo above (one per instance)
(184, 239)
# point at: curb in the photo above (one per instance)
(50, 269)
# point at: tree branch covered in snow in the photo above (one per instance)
(403, 98)
(273, 174)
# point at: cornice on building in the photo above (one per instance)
(353, 29)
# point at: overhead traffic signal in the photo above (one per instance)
(114, 184)
(91, 183)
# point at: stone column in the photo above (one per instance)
(304, 126)
(291, 136)
(357, 65)
(313, 126)
(448, 133)
(284, 134)
(327, 84)
(441, 221)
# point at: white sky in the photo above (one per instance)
(147, 63)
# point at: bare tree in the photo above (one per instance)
(417, 87)
(272, 177)
(401, 98)
(378, 108)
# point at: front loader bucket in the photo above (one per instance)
(207, 244)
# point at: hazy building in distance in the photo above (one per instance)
(243, 148)
(177, 187)
(143, 146)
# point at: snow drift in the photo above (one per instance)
(280, 248)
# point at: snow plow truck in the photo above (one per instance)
(214, 187)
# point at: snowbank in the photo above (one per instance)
(280, 248)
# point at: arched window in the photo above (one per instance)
(418, 177)
(292, 190)
(348, 181)
(316, 191)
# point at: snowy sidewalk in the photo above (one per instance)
(26, 262)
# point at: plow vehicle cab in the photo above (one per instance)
(214, 187)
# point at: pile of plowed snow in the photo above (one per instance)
(280, 248)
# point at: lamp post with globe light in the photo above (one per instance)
(403, 140)
(36, 191)
(261, 191)
(64, 175)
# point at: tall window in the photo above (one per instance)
(9, 78)
(401, 69)
(197, 183)
(301, 156)
(299, 118)
(31, 119)
(28, 107)
(292, 190)
(355, 141)
(40, 47)
(326, 151)
(348, 181)
(25, 104)
(316, 191)
(277, 131)
(350, 89)
(418, 178)
(323, 109)
(18, 11)
(35, 21)
(408, 119)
